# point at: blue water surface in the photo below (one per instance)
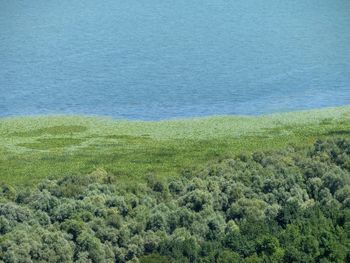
(158, 59)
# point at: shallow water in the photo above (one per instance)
(142, 59)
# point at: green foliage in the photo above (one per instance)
(34, 148)
(291, 205)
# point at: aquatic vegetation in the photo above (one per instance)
(32, 148)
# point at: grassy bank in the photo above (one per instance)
(32, 148)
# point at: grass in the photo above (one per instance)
(32, 148)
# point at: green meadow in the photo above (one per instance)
(33, 148)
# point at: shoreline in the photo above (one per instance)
(179, 119)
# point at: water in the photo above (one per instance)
(157, 59)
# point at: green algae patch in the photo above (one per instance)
(53, 130)
(51, 143)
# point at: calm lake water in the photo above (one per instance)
(157, 59)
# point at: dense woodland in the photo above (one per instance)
(286, 206)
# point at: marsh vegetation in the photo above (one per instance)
(34, 148)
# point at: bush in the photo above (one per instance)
(286, 206)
